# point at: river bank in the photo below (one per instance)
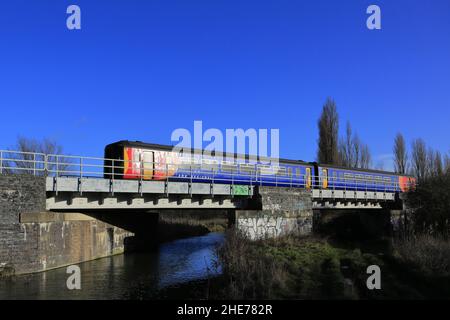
(323, 268)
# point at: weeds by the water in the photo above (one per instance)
(286, 268)
(313, 268)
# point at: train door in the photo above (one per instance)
(324, 178)
(308, 178)
(147, 163)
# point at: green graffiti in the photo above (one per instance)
(240, 190)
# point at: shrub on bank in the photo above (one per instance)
(430, 204)
(284, 268)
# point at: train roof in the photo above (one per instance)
(362, 170)
(140, 144)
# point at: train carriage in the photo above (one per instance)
(341, 178)
(137, 160)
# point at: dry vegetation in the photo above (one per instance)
(426, 252)
(314, 268)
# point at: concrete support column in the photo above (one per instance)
(276, 212)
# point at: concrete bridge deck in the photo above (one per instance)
(75, 193)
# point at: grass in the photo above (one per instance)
(315, 268)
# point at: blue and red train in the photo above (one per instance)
(137, 160)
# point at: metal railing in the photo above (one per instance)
(16, 162)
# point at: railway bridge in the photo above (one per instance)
(49, 200)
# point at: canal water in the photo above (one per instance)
(127, 276)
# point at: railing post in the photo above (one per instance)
(57, 165)
(81, 167)
(212, 182)
(232, 183)
(1, 162)
(112, 170)
(190, 180)
(34, 164)
(81, 176)
(112, 177)
(45, 164)
(141, 174)
(167, 178)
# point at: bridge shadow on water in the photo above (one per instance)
(151, 228)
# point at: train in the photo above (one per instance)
(132, 160)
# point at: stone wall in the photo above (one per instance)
(18, 194)
(33, 240)
(277, 212)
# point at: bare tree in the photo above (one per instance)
(435, 166)
(447, 163)
(366, 157)
(352, 152)
(342, 153)
(349, 151)
(328, 125)
(346, 150)
(419, 159)
(356, 143)
(400, 154)
(28, 156)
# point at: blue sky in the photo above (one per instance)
(140, 69)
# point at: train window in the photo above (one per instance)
(209, 165)
(196, 165)
(246, 168)
(335, 176)
(229, 167)
(280, 171)
(289, 172)
(185, 164)
(265, 170)
(298, 172)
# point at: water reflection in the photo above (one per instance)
(129, 276)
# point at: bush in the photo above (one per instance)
(430, 203)
(249, 272)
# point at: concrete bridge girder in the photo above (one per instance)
(352, 195)
(98, 201)
(81, 185)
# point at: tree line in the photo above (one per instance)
(429, 201)
(349, 150)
